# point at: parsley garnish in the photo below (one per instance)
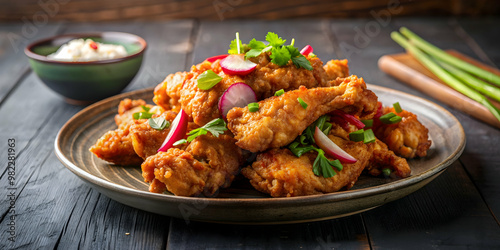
(322, 166)
(215, 127)
(280, 54)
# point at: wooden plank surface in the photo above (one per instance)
(57, 210)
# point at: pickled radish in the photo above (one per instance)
(331, 148)
(177, 131)
(237, 65)
(237, 95)
(349, 118)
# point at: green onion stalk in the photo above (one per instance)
(442, 73)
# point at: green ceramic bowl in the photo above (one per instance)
(86, 82)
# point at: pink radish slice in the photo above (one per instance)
(237, 65)
(215, 58)
(350, 118)
(306, 50)
(379, 110)
(340, 121)
(331, 148)
(177, 131)
(237, 95)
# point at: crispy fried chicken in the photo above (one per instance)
(281, 119)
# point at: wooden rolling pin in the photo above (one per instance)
(407, 69)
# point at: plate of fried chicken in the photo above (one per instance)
(316, 143)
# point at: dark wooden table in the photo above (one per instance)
(43, 205)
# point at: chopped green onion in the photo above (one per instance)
(326, 128)
(142, 115)
(302, 103)
(158, 123)
(369, 137)
(208, 79)
(397, 107)
(387, 172)
(357, 135)
(145, 108)
(279, 92)
(253, 107)
(390, 118)
(368, 123)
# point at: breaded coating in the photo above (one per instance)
(336, 68)
(180, 90)
(127, 108)
(407, 138)
(146, 140)
(115, 146)
(207, 164)
(280, 119)
(279, 173)
(382, 158)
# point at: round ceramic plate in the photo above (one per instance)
(241, 203)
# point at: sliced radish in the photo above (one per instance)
(237, 65)
(306, 50)
(349, 118)
(341, 122)
(237, 95)
(177, 131)
(215, 58)
(331, 148)
(379, 110)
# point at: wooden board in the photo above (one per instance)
(407, 69)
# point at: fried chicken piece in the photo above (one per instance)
(336, 68)
(181, 89)
(382, 158)
(146, 140)
(127, 108)
(281, 119)
(115, 146)
(207, 164)
(280, 173)
(407, 138)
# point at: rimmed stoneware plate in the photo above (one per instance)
(241, 204)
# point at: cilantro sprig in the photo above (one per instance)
(304, 143)
(281, 54)
(215, 127)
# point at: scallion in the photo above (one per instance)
(368, 123)
(302, 103)
(369, 137)
(279, 92)
(390, 118)
(357, 135)
(253, 107)
(397, 107)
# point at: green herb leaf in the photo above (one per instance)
(142, 115)
(215, 127)
(179, 142)
(254, 44)
(233, 47)
(253, 53)
(274, 40)
(208, 80)
(280, 56)
(158, 123)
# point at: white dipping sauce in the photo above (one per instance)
(80, 50)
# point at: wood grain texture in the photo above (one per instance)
(93, 10)
(407, 69)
